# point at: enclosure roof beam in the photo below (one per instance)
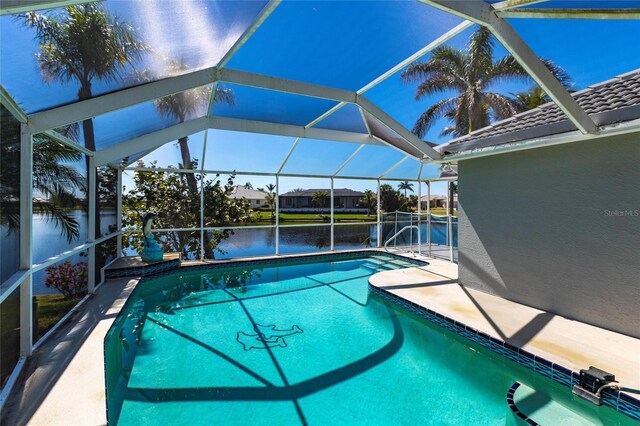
(78, 111)
(253, 126)
(12, 106)
(348, 160)
(254, 173)
(68, 142)
(504, 5)
(326, 114)
(89, 108)
(513, 4)
(260, 81)
(262, 16)
(150, 141)
(398, 128)
(284, 162)
(437, 42)
(392, 168)
(571, 13)
(82, 110)
(483, 14)
(419, 54)
(9, 7)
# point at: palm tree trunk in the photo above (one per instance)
(193, 188)
(90, 143)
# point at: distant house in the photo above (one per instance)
(344, 200)
(438, 201)
(255, 198)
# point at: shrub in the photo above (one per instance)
(69, 279)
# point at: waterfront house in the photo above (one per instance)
(344, 200)
(255, 198)
(437, 201)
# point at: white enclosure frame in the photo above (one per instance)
(491, 16)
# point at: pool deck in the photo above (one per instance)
(63, 383)
(572, 344)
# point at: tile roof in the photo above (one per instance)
(240, 191)
(609, 102)
(344, 192)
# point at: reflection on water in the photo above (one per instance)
(243, 243)
(304, 239)
(48, 242)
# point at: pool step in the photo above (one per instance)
(133, 266)
(549, 407)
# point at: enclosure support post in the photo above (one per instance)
(395, 230)
(277, 212)
(379, 230)
(419, 213)
(91, 223)
(119, 213)
(449, 227)
(332, 211)
(26, 238)
(202, 231)
(429, 217)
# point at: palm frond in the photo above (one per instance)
(444, 60)
(501, 106)
(530, 99)
(69, 226)
(558, 72)
(506, 69)
(480, 51)
(224, 95)
(428, 118)
(439, 84)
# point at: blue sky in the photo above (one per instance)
(341, 44)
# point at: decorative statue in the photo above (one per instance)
(152, 252)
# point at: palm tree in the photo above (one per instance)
(369, 200)
(319, 198)
(82, 44)
(248, 185)
(57, 185)
(530, 99)
(470, 73)
(405, 186)
(270, 198)
(183, 106)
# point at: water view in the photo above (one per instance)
(244, 242)
(48, 242)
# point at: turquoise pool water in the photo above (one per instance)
(301, 343)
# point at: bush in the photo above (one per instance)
(69, 279)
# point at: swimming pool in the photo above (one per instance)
(301, 342)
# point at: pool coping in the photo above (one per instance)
(619, 401)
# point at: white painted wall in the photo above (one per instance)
(557, 228)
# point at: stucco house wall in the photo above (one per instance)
(557, 228)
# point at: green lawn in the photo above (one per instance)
(51, 308)
(264, 217)
(441, 211)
